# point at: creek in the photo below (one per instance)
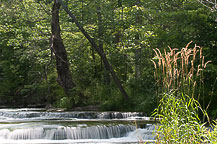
(38, 126)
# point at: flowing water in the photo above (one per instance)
(37, 126)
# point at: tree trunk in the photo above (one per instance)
(100, 37)
(99, 51)
(137, 54)
(62, 65)
(138, 51)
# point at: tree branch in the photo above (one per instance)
(211, 4)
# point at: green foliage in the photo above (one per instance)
(64, 102)
(179, 120)
(128, 32)
(21, 68)
(109, 97)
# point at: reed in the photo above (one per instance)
(180, 70)
(179, 78)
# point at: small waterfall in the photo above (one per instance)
(119, 115)
(144, 134)
(40, 126)
(61, 132)
(36, 133)
(24, 114)
(4, 133)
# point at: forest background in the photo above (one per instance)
(126, 31)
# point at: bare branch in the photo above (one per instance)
(211, 4)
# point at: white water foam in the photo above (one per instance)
(136, 136)
(32, 126)
(53, 132)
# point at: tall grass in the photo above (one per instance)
(180, 70)
(179, 78)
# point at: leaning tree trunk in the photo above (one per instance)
(99, 51)
(62, 65)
